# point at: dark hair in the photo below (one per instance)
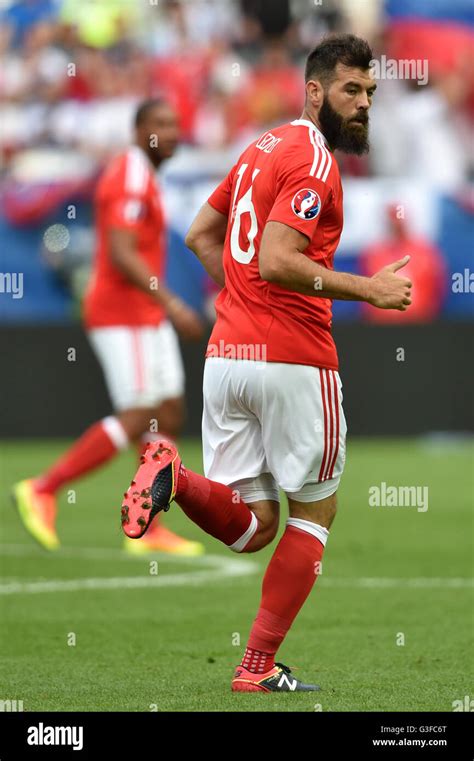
(145, 107)
(337, 48)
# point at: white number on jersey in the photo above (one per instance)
(244, 206)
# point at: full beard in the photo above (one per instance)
(341, 134)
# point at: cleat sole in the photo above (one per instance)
(152, 489)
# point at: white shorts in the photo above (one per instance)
(269, 424)
(142, 365)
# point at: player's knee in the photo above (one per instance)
(321, 512)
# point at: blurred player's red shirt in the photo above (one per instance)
(289, 175)
(127, 197)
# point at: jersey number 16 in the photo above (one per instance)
(244, 206)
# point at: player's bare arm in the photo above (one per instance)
(206, 238)
(282, 261)
(122, 246)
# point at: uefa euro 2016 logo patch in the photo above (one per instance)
(306, 204)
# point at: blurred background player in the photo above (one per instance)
(129, 315)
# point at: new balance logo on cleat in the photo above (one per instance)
(290, 683)
(278, 679)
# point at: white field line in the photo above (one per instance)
(207, 569)
(421, 582)
(220, 568)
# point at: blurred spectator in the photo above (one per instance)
(273, 92)
(321, 19)
(176, 27)
(426, 270)
(21, 16)
(37, 71)
(99, 24)
(423, 141)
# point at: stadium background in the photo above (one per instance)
(233, 69)
(72, 75)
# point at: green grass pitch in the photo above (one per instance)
(169, 641)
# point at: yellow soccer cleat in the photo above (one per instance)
(161, 539)
(37, 512)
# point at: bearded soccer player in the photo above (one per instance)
(129, 316)
(274, 420)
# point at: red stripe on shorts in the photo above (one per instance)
(138, 360)
(336, 407)
(331, 423)
(325, 412)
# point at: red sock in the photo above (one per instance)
(216, 509)
(257, 662)
(288, 580)
(97, 445)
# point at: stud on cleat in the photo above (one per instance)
(125, 516)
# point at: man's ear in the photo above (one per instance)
(314, 92)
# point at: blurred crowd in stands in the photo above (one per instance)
(72, 72)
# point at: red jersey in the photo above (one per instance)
(127, 196)
(288, 175)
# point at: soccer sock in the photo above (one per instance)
(97, 445)
(216, 509)
(256, 661)
(288, 580)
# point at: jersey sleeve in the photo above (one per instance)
(301, 197)
(128, 199)
(221, 198)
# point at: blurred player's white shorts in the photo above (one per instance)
(142, 365)
(269, 424)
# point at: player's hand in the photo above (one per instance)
(186, 321)
(389, 290)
